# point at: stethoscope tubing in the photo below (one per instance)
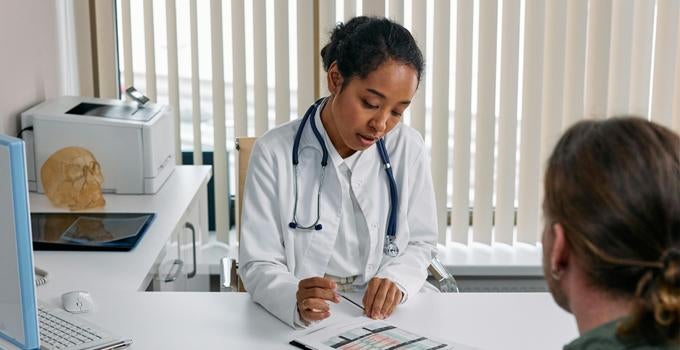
(391, 230)
(394, 195)
(311, 111)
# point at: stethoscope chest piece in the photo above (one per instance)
(390, 248)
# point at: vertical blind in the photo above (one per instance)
(504, 79)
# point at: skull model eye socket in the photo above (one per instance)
(94, 168)
(73, 172)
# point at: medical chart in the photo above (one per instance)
(364, 334)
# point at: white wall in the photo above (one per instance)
(29, 58)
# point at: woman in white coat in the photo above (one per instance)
(310, 231)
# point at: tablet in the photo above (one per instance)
(89, 231)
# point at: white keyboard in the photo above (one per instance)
(61, 330)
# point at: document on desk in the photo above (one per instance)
(362, 333)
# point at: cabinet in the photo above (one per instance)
(181, 200)
(178, 266)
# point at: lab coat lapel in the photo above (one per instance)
(371, 191)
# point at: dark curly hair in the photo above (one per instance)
(614, 185)
(362, 44)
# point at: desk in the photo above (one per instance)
(125, 271)
(184, 320)
(167, 320)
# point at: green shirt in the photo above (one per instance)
(604, 338)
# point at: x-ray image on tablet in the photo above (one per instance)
(96, 230)
(88, 231)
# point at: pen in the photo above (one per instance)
(299, 345)
(351, 301)
(118, 345)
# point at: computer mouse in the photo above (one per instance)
(77, 302)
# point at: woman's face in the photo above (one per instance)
(364, 110)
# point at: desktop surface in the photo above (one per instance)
(191, 320)
(195, 320)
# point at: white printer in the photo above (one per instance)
(133, 144)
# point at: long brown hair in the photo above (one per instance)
(614, 185)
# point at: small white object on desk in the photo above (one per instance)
(77, 302)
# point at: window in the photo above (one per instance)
(503, 80)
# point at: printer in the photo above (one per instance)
(133, 144)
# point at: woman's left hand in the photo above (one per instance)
(381, 298)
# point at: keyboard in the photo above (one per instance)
(64, 331)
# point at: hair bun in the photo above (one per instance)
(671, 255)
(338, 37)
(671, 266)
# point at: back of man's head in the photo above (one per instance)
(614, 187)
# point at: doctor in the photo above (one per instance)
(343, 198)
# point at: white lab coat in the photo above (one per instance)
(274, 258)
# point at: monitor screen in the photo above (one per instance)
(18, 306)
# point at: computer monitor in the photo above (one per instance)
(18, 304)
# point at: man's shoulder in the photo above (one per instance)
(604, 337)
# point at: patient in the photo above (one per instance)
(611, 244)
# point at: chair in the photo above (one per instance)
(244, 146)
(439, 277)
(229, 279)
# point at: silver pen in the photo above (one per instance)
(352, 301)
(117, 345)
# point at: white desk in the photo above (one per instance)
(169, 320)
(181, 320)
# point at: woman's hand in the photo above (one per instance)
(312, 295)
(381, 298)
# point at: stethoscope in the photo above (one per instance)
(390, 248)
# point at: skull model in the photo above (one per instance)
(72, 178)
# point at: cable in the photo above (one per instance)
(40, 276)
(28, 128)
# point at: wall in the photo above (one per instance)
(29, 58)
